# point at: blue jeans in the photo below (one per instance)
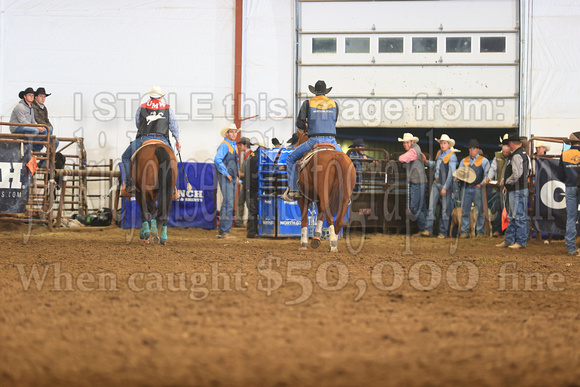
(126, 158)
(517, 230)
(572, 200)
(293, 157)
(475, 196)
(32, 130)
(434, 197)
(417, 204)
(227, 210)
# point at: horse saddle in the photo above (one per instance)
(147, 143)
(322, 146)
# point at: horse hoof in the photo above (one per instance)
(315, 243)
(162, 241)
(303, 249)
(334, 249)
(155, 238)
(145, 235)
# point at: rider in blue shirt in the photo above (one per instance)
(318, 116)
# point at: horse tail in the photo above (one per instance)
(165, 176)
(343, 184)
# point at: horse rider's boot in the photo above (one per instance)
(145, 232)
(163, 236)
(290, 196)
(154, 228)
(128, 190)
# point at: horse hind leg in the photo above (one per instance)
(318, 230)
(303, 204)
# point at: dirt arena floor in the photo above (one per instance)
(84, 308)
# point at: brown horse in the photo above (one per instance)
(154, 171)
(328, 179)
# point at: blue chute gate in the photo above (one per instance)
(277, 218)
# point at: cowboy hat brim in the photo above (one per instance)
(228, 128)
(466, 174)
(415, 139)
(313, 90)
(449, 140)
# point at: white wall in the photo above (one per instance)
(99, 58)
(554, 94)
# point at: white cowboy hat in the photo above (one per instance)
(408, 137)
(505, 136)
(465, 173)
(445, 137)
(156, 92)
(260, 144)
(225, 129)
(454, 150)
(542, 143)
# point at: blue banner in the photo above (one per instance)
(194, 208)
(14, 177)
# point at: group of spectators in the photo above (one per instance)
(31, 110)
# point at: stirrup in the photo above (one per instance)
(290, 196)
(127, 191)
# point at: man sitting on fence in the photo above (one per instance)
(40, 110)
(23, 113)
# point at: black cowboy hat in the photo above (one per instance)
(41, 90)
(24, 92)
(511, 137)
(319, 88)
(294, 139)
(358, 142)
(275, 142)
(473, 143)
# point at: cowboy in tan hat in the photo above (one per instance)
(443, 167)
(416, 179)
(226, 162)
(155, 119)
(516, 186)
(541, 147)
(568, 170)
(318, 116)
(473, 192)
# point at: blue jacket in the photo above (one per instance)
(480, 165)
(568, 167)
(226, 158)
(322, 113)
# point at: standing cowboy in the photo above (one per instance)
(472, 192)
(154, 120)
(318, 115)
(444, 165)
(568, 173)
(226, 162)
(516, 187)
(416, 178)
(496, 172)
